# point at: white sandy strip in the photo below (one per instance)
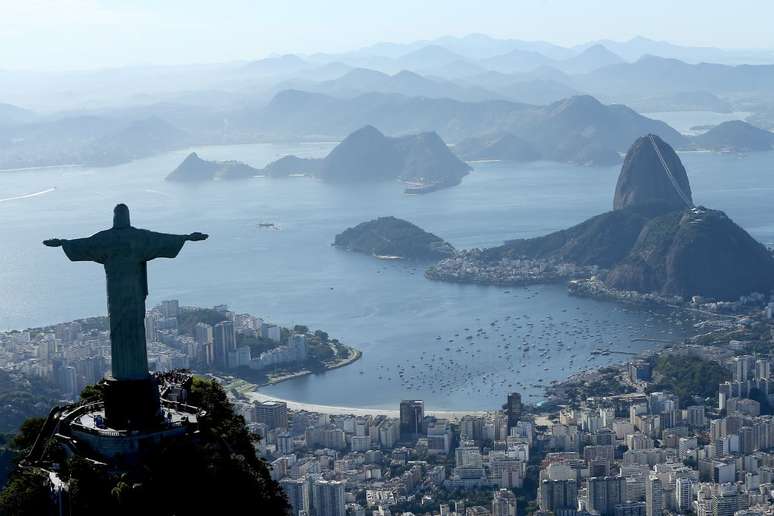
(28, 196)
(355, 411)
(163, 194)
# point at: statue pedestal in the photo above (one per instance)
(132, 404)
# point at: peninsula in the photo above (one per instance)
(654, 245)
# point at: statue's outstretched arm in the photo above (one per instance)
(89, 249)
(196, 236)
(165, 245)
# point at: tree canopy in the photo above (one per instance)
(214, 472)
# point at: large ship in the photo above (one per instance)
(422, 188)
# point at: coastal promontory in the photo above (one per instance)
(390, 237)
(654, 243)
(695, 252)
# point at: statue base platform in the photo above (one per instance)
(132, 404)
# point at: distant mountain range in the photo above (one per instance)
(359, 81)
(652, 75)
(682, 101)
(481, 46)
(567, 130)
(517, 60)
(474, 88)
(86, 140)
(576, 129)
(456, 59)
(13, 115)
(732, 136)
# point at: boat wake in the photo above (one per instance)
(163, 194)
(28, 196)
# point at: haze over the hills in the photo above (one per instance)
(572, 103)
(72, 34)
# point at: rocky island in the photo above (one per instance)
(195, 169)
(367, 155)
(654, 244)
(390, 237)
(423, 161)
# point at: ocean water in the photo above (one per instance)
(413, 332)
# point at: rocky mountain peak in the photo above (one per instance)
(645, 180)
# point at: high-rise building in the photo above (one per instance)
(224, 341)
(328, 498)
(272, 413)
(471, 428)
(743, 367)
(513, 408)
(639, 370)
(504, 503)
(297, 346)
(654, 496)
(558, 495)
(151, 327)
(203, 333)
(604, 493)
(725, 503)
(297, 491)
(170, 308)
(203, 338)
(389, 433)
(762, 369)
(285, 443)
(271, 331)
(695, 416)
(412, 415)
(683, 494)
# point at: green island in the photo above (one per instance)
(390, 237)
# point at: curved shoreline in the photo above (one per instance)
(355, 355)
(356, 411)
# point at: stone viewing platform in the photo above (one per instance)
(83, 429)
(471, 267)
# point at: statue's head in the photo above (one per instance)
(120, 216)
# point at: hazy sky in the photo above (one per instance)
(41, 34)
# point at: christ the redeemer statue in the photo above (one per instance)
(125, 251)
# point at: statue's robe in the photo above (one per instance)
(125, 252)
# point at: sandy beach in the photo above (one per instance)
(357, 411)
